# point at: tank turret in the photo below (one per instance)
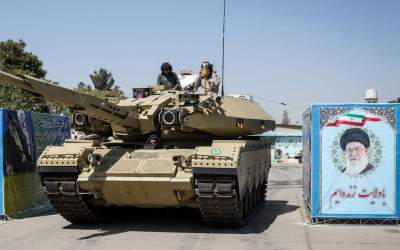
(159, 111)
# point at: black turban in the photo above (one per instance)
(166, 66)
(354, 135)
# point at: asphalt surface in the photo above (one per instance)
(280, 224)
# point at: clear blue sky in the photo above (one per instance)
(297, 52)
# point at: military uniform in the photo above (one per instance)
(170, 80)
(210, 84)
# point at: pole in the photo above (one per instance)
(223, 52)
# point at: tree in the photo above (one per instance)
(87, 89)
(102, 79)
(83, 86)
(285, 118)
(104, 87)
(15, 60)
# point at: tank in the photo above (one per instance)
(161, 148)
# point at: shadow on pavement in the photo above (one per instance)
(37, 212)
(185, 220)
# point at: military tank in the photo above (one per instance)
(161, 148)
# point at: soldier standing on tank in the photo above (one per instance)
(207, 79)
(168, 78)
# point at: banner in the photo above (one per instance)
(49, 130)
(19, 162)
(358, 162)
(24, 137)
(351, 167)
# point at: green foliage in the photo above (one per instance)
(115, 92)
(103, 85)
(102, 79)
(15, 60)
(83, 87)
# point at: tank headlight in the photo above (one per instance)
(170, 117)
(94, 157)
(80, 119)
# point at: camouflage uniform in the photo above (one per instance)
(170, 80)
(210, 84)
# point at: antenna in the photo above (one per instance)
(223, 52)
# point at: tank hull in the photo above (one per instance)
(224, 180)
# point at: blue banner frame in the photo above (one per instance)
(2, 122)
(316, 164)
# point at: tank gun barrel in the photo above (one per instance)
(120, 116)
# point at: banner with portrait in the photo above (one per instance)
(24, 135)
(358, 168)
(19, 161)
(353, 152)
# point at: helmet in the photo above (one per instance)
(166, 66)
(206, 68)
(206, 64)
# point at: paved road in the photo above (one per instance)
(280, 224)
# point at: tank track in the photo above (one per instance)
(74, 207)
(220, 204)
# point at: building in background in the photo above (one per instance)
(286, 143)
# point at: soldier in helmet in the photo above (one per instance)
(168, 78)
(207, 79)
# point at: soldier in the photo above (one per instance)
(207, 79)
(168, 78)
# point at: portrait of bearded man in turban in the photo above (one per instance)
(355, 144)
